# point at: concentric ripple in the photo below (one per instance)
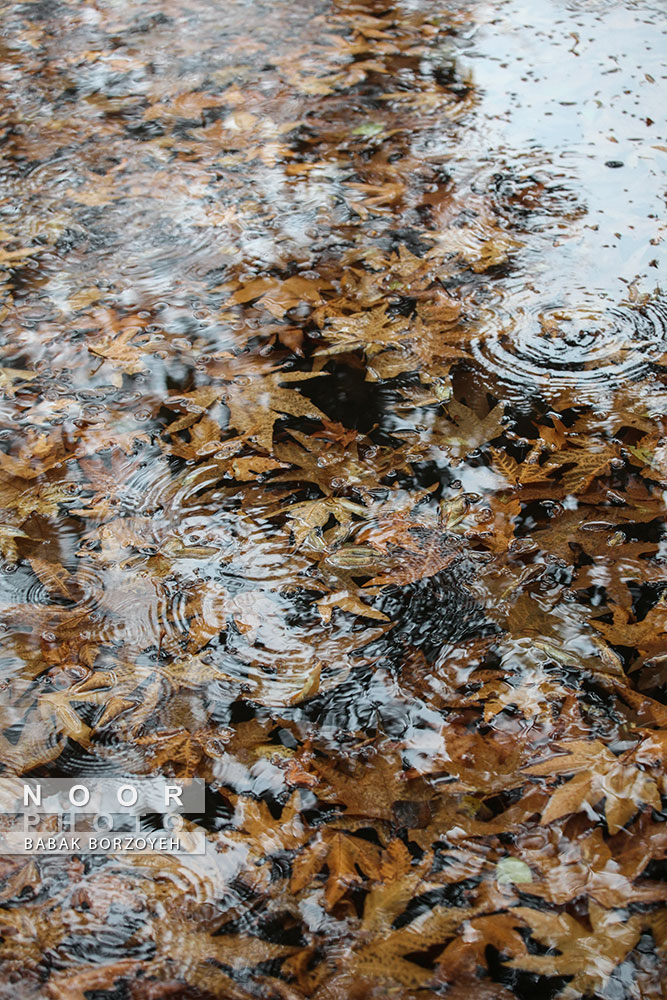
(583, 349)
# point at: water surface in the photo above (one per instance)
(333, 470)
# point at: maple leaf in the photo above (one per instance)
(37, 453)
(192, 956)
(28, 876)
(281, 296)
(478, 763)
(470, 431)
(598, 773)
(366, 788)
(392, 363)
(466, 954)
(384, 957)
(420, 564)
(27, 935)
(181, 751)
(462, 815)
(370, 331)
(588, 463)
(8, 546)
(532, 696)
(651, 454)
(252, 466)
(379, 194)
(400, 880)
(589, 956)
(55, 578)
(591, 864)
(308, 516)
(346, 601)
(117, 346)
(337, 465)
(58, 715)
(256, 404)
(8, 376)
(345, 857)
(646, 635)
(477, 251)
(520, 473)
(436, 310)
(76, 985)
(266, 836)
(392, 531)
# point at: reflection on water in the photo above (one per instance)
(332, 463)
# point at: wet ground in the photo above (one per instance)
(332, 467)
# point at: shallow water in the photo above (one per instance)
(333, 467)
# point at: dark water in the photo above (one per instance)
(332, 466)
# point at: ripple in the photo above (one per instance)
(557, 349)
(283, 660)
(117, 758)
(118, 605)
(138, 611)
(50, 590)
(149, 484)
(173, 256)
